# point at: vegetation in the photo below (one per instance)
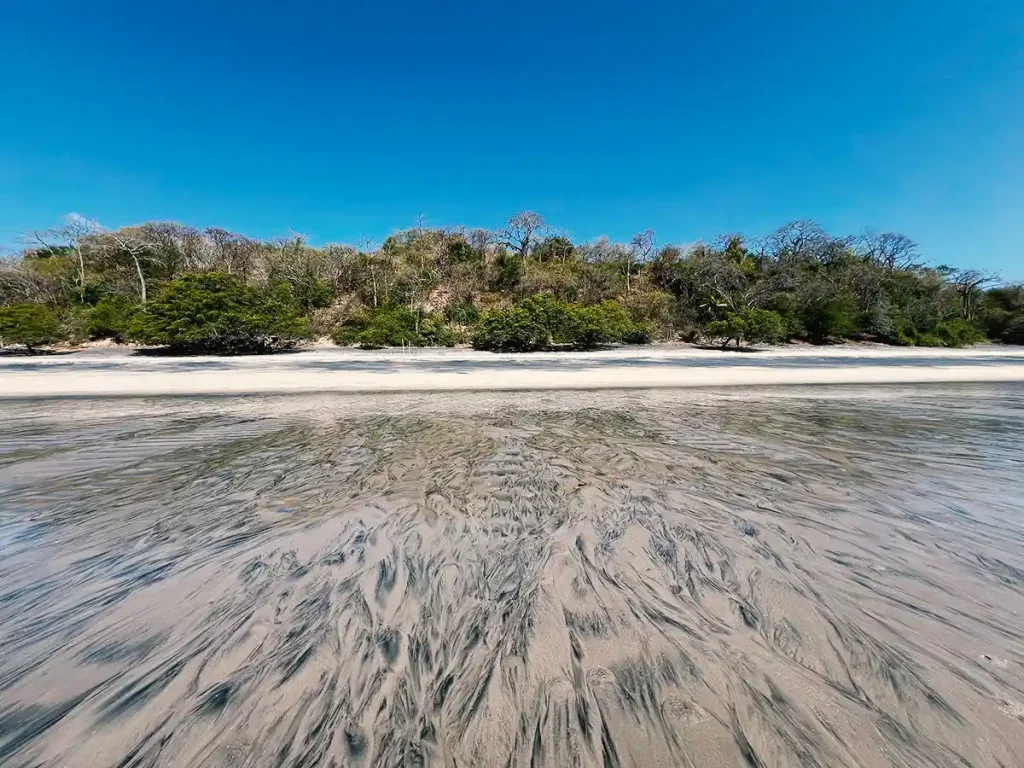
(394, 327)
(31, 325)
(109, 318)
(215, 312)
(521, 287)
(543, 321)
(749, 325)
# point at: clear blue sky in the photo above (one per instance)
(345, 120)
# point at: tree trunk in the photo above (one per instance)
(81, 274)
(142, 279)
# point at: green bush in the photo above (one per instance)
(541, 321)
(996, 320)
(32, 325)
(461, 252)
(510, 330)
(950, 333)
(763, 325)
(314, 294)
(749, 326)
(507, 273)
(958, 333)
(394, 327)
(110, 318)
(612, 317)
(788, 307)
(1014, 333)
(462, 313)
(654, 311)
(216, 312)
(824, 319)
(555, 316)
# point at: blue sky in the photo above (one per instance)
(345, 120)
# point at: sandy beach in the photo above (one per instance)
(775, 576)
(117, 372)
(449, 558)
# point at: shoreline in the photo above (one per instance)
(115, 373)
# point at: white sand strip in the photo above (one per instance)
(125, 382)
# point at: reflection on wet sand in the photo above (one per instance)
(798, 578)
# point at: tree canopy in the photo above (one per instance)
(525, 282)
(215, 312)
(31, 325)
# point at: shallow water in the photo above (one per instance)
(812, 577)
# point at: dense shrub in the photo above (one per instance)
(215, 312)
(461, 252)
(556, 317)
(749, 326)
(654, 311)
(462, 313)
(542, 321)
(393, 327)
(1014, 333)
(506, 273)
(958, 333)
(951, 333)
(612, 318)
(996, 321)
(314, 294)
(109, 319)
(32, 325)
(829, 318)
(510, 330)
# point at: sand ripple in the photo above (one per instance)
(794, 578)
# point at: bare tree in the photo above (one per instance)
(888, 249)
(421, 223)
(521, 232)
(799, 241)
(479, 239)
(73, 234)
(174, 247)
(235, 254)
(373, 263)
(20, 284)
(968, 284)
(136, 244)
(639, 251)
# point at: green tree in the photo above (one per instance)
(393, 327)
(507, 273)
(829, 317)
(1014, 333)
(608, 322)
(32, 325)
(510, 330)
(555, 248)
(215, 312)
(542, 321)
(749, 326)
(110, 318)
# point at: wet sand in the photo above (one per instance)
(772, 577)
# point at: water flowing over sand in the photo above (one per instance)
(798, 577)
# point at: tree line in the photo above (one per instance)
(521, 287)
